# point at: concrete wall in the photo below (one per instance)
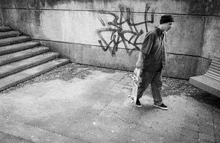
(70, 27)
(1, 17)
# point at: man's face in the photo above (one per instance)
(168, 26)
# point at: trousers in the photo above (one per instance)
(155, 79)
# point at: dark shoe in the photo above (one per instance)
(138, 103)
(161, 106)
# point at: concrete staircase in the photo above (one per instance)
(22, 59)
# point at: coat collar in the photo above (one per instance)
(159, 31)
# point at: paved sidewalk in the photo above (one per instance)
(91, 105)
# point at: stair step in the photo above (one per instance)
(4, 28)
(22, 76)
(17, 47)
(9, 58)
(27, 63)
(9, 34)
(14, 40)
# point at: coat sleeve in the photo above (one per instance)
(148, 43)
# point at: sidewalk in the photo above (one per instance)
(82, 104)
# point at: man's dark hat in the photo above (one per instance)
(166, 18)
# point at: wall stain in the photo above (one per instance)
(42, 3)
(37, 4)
(206, 7)
(37, 14)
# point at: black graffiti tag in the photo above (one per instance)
(118, 34)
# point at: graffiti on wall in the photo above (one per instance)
(128, 38)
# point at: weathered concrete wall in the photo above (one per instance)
(70, 27)
(1, 17)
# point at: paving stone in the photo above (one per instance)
(217, 139)
(137, 136)
(186, 139)
(109, 82)
(6, 109)
(55, 138)
(94, 96)
(216, 114)
(168, 139)
(116, 89)
(201, 141)
(173, 132)
(2, 135)
(13, 139)
(32, 134)
(101, 103)
(203, 122)
(100, 132)
(206, 137)
(59, 123)
(217, 136)
(205, 108)
(217, 119)
(209, 130)
(145, 129)
(34, 90)
(191, 120)
(217, 128)
(192, 127)
(114, 127)
(206, 121)
(116, 102)
(101, 138)
(96, 109)
(108, 111)
(216, 110)
(124, 81)
(118, 77)
(127, 115)
(189, 133)
(75, 129)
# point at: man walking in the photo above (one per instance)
(152, 59)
